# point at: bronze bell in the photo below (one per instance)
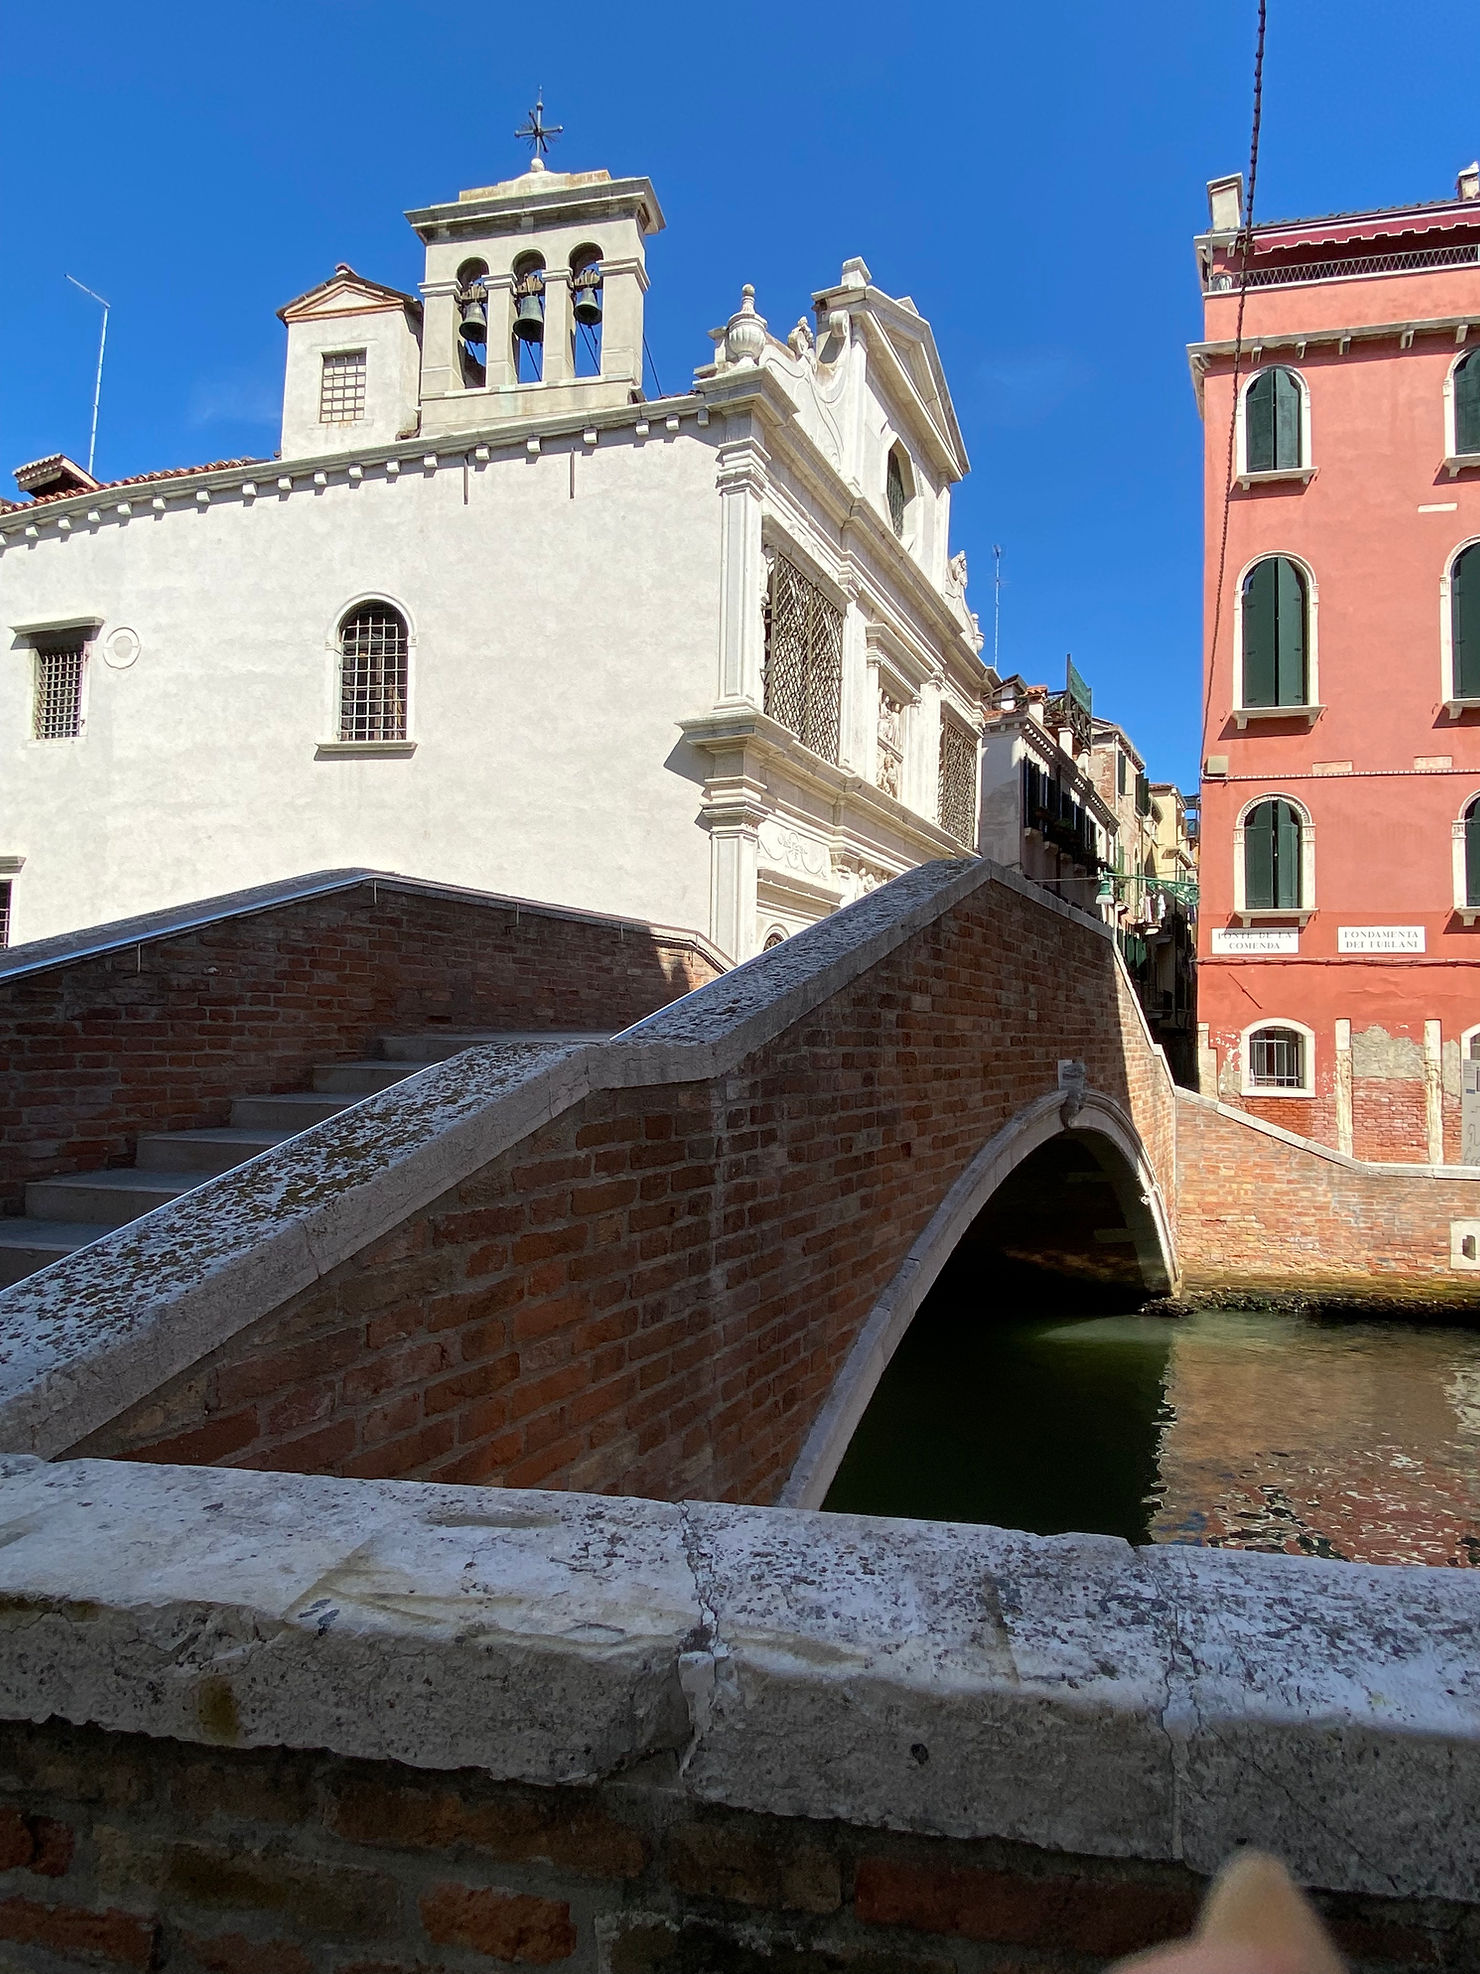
(587, 309)
(474, 325)
(529, 320)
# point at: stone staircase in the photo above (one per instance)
(77, 1208)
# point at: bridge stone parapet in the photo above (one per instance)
(277, 1721)
(638, 1267)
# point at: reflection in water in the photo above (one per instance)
(1231, 1428)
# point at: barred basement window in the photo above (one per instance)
(804, 659)
(58, 700)
(1277, 1059)
(5, 913)
(342, 388)
(372, 674)
(958, 782)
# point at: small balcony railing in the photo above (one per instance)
(1225, 280)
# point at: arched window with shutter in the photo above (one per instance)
(1464, 623)
(1472, 854)
(1273, 420)
(1273, 874)
(373, 646)
(1274, 622)
(1465, 381)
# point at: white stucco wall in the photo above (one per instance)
(556, 642)
(392, 371)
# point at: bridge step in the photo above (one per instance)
(77, 1208)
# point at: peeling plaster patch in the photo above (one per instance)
(1391, 1058)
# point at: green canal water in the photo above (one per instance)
(1233, 1428)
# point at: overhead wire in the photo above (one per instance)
(1245, 247)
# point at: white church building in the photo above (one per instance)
(494, 618)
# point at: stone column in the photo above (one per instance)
(623, 285)
(559, 355)
(1433, 1089)
(858, 710)
(1344, 1087)
(441, 356)
(743, 573)
(1207, 1064)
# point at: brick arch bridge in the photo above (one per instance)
(667, 1264)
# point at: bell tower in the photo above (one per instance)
(533, 297)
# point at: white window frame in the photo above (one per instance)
(907, 534)
(1312, 709)
(1305, 472)
(1306, 908)
(332, 745)
(1266, 1091)
(1467, 912)
(1455, 460)
(1467, 1036)
(1452, 701)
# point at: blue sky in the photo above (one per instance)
(1031, 175)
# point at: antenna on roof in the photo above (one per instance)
(92, 444)
(996, 605)
(538, 134)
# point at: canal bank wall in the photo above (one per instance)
(1264, 1213)
(289, 1723)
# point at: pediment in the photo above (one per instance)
(345, 293)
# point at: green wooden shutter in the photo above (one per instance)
(1259, 858)
(1259, 451)
(1290, 635)
(1286, 421)
(1472, 854)
(1467, 406)
(1260, 587)
(1464, 623)
(1286, 857)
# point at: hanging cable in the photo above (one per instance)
(657, 386)
(1245, 246)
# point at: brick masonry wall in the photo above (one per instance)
(163, 1036)
(653, 1293)
(1255, 1213)
(128, 1852)
(1389, 1120)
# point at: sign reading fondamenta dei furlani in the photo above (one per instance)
(1379, 938)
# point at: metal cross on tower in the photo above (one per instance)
(538, 134)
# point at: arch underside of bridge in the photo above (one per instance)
(1062, 1202)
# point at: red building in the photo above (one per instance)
(1340, 874)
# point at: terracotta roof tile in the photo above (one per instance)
(134, 480)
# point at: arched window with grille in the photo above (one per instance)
(373, 647)
(1464, 623)
(1277, 1061)
(898, 487)
(1273, 874)
(1273, 420)
(1465, 379)
(1274, 620)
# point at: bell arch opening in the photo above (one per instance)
(1052, 1225)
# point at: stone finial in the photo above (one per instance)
(745, 332)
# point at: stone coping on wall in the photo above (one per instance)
(1393, 1169)
(101, 1329)
(1068, 1692)
(88, 942)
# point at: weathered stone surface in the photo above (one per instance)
(963, 1682)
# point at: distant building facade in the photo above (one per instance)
(492, 617)
(1041, 812)
(1340, 873)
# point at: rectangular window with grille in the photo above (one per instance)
(4, 912)
(804, 659)
(342, 388)
(372, 675)
(58, 700)
(958, 782)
